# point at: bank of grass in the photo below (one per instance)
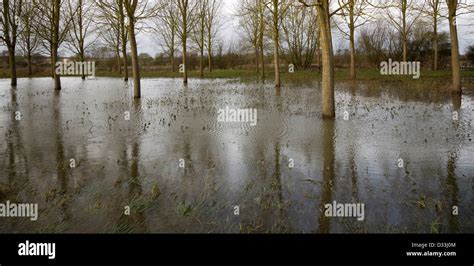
(220, 73)
(427, 76)
(307, 75)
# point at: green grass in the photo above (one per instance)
(300, 76)
(297, 77)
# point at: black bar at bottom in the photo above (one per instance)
(243, 249)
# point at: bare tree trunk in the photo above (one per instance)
(54, 59)
(318, 44)
(201, 40)
(435, 44)
(172, 52)
(353, 70)
(405, 50)
(256, 37)
(185, 72)
(209, 52)
(209, 59)
(28, 57)
(83, 77)
(117, 52)
(12, 62)
(135, 66)
(55, 42)
(260, 37)
(435, 51)
(28, 43)
(201, 52)
(173, 68)
(257, 58)
(183, 34)
(9, 32)
(81, 35)
(328, 108)
(201, 63)
(262, 61)
(119, 64)
(404, 31)
(123, 33)
(125, 62)
(455, 62)
(185, 51)
(276, 41)
(329, 160)
(351, 38)
(53, 64)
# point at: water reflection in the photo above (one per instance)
(451, 194)
(457, 101)
(133, 219)
(61, 165)
(277, 189)
(135, 163)
(328, 174)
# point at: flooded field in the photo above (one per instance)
(280, 173)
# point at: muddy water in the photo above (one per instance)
(136, 162)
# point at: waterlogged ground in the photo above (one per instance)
(136, 163)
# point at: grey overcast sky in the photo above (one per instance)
(230, 31)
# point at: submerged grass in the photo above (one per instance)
(303, 75)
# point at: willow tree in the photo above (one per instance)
(9, 21)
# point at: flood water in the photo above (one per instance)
(136, 162)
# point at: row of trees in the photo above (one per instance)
(303, 37)
(76, 25)
(297, 30)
